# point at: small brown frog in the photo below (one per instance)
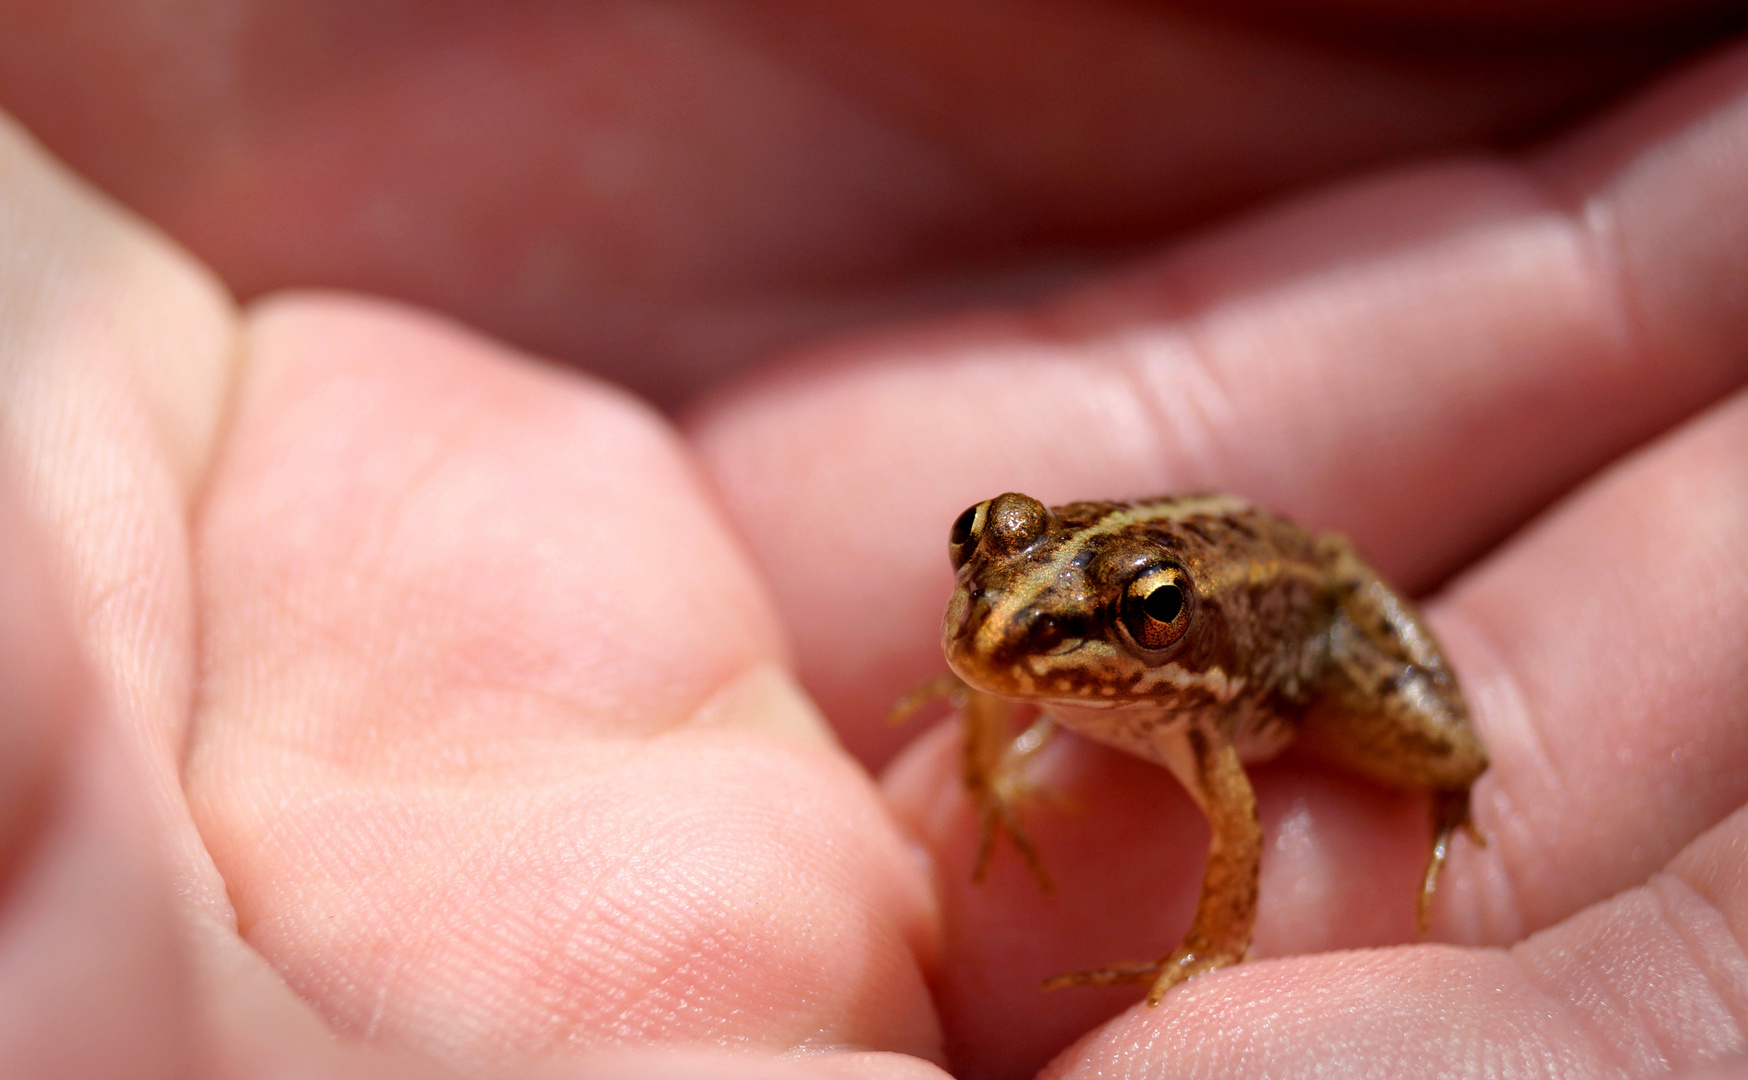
(1199, 633)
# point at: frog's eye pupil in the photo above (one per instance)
(968, 528)
(961, 527)
(1156, 609)
(1164, 603)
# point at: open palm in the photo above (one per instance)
(363, 674)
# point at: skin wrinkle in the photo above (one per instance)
(1548, 962)
(1685, 909)
(1645, 1012)
(1713, 97)
(1607, 284)
(221, 437)
(1206, 412)
(1596, 226)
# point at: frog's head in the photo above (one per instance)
(1088, 603)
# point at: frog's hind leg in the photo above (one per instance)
(1209, 768)
(1450, 812)
(1392, 710)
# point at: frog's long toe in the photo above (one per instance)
(1135, 971)
(1182, 965)
(1450, 813)
(994, 776)
(1185, 964)
(995, 815)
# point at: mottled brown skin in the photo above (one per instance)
(1200, 633)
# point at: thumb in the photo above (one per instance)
(91, 976)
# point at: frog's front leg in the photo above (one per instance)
(992, 764)
(1207, 764)
(992, 770)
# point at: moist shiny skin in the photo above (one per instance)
(1041, 619)
(1199, 632)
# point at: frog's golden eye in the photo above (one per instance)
(967, 530)
(1156, 607)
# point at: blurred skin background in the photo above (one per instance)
(475, 477)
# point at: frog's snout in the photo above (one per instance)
(987, 647)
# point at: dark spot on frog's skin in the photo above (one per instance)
(1241, 527)
(1078, 515)
(1200, 528)
(1198, 743)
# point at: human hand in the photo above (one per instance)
(420, 672)
(418, 732)
(1513, 381)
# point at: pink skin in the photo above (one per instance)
(359, 674)
(668, 192)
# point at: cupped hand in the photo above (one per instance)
(366, 676)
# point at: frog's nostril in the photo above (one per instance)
(1044, 632)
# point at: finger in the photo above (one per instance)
(496, 751)
(1603, 653)
(1421, 361)
(1423, 464)
(112, 375)
(92, 980)
(665, 191)
(41, 680)
(113, 369)
(1635, 986)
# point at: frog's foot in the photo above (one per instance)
(1450, 812)
(1184, 963)
(1226, 910)
(993, 765)
(995, 815)
(941, 686)
(994, 775)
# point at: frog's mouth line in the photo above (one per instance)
(1044, 664)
